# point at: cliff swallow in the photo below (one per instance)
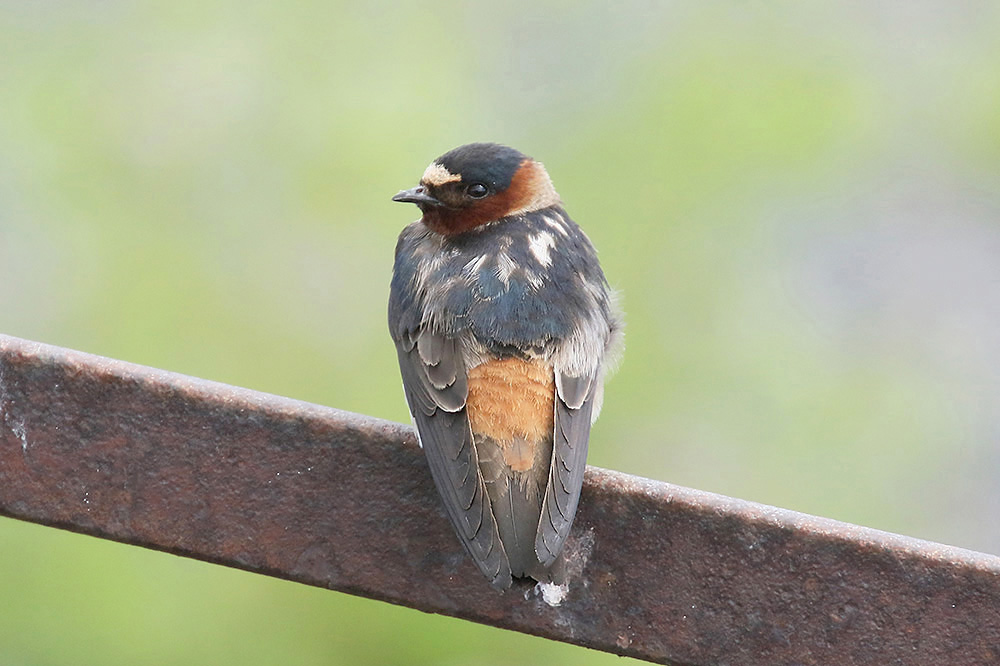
(504, 325)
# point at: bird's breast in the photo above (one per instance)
(511, 402)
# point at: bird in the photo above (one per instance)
(505, 328)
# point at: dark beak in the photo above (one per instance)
(417, 195)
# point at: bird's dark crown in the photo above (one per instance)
(488, 163)
(479, 183)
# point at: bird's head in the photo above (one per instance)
(478, 183)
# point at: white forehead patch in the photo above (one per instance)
(541, 245)
(436, 175)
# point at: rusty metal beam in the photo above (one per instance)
(342, 501)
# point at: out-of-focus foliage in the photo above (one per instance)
(799, 202)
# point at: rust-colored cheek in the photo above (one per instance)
(459, 220)
(511, 402)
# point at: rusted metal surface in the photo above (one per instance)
(343, 501)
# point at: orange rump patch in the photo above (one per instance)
(512, 401)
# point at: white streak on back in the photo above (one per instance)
(505, 268)
(541, 245)
(556, 222)
(471, 269)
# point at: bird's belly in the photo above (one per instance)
(511, 402)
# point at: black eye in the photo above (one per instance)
(477, 190)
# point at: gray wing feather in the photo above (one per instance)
(569, 460)
(432, 372)
(573, 390)
(436, 386)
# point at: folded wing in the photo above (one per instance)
(574, 405)
(435, 382)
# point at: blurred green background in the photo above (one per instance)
(799, 202)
